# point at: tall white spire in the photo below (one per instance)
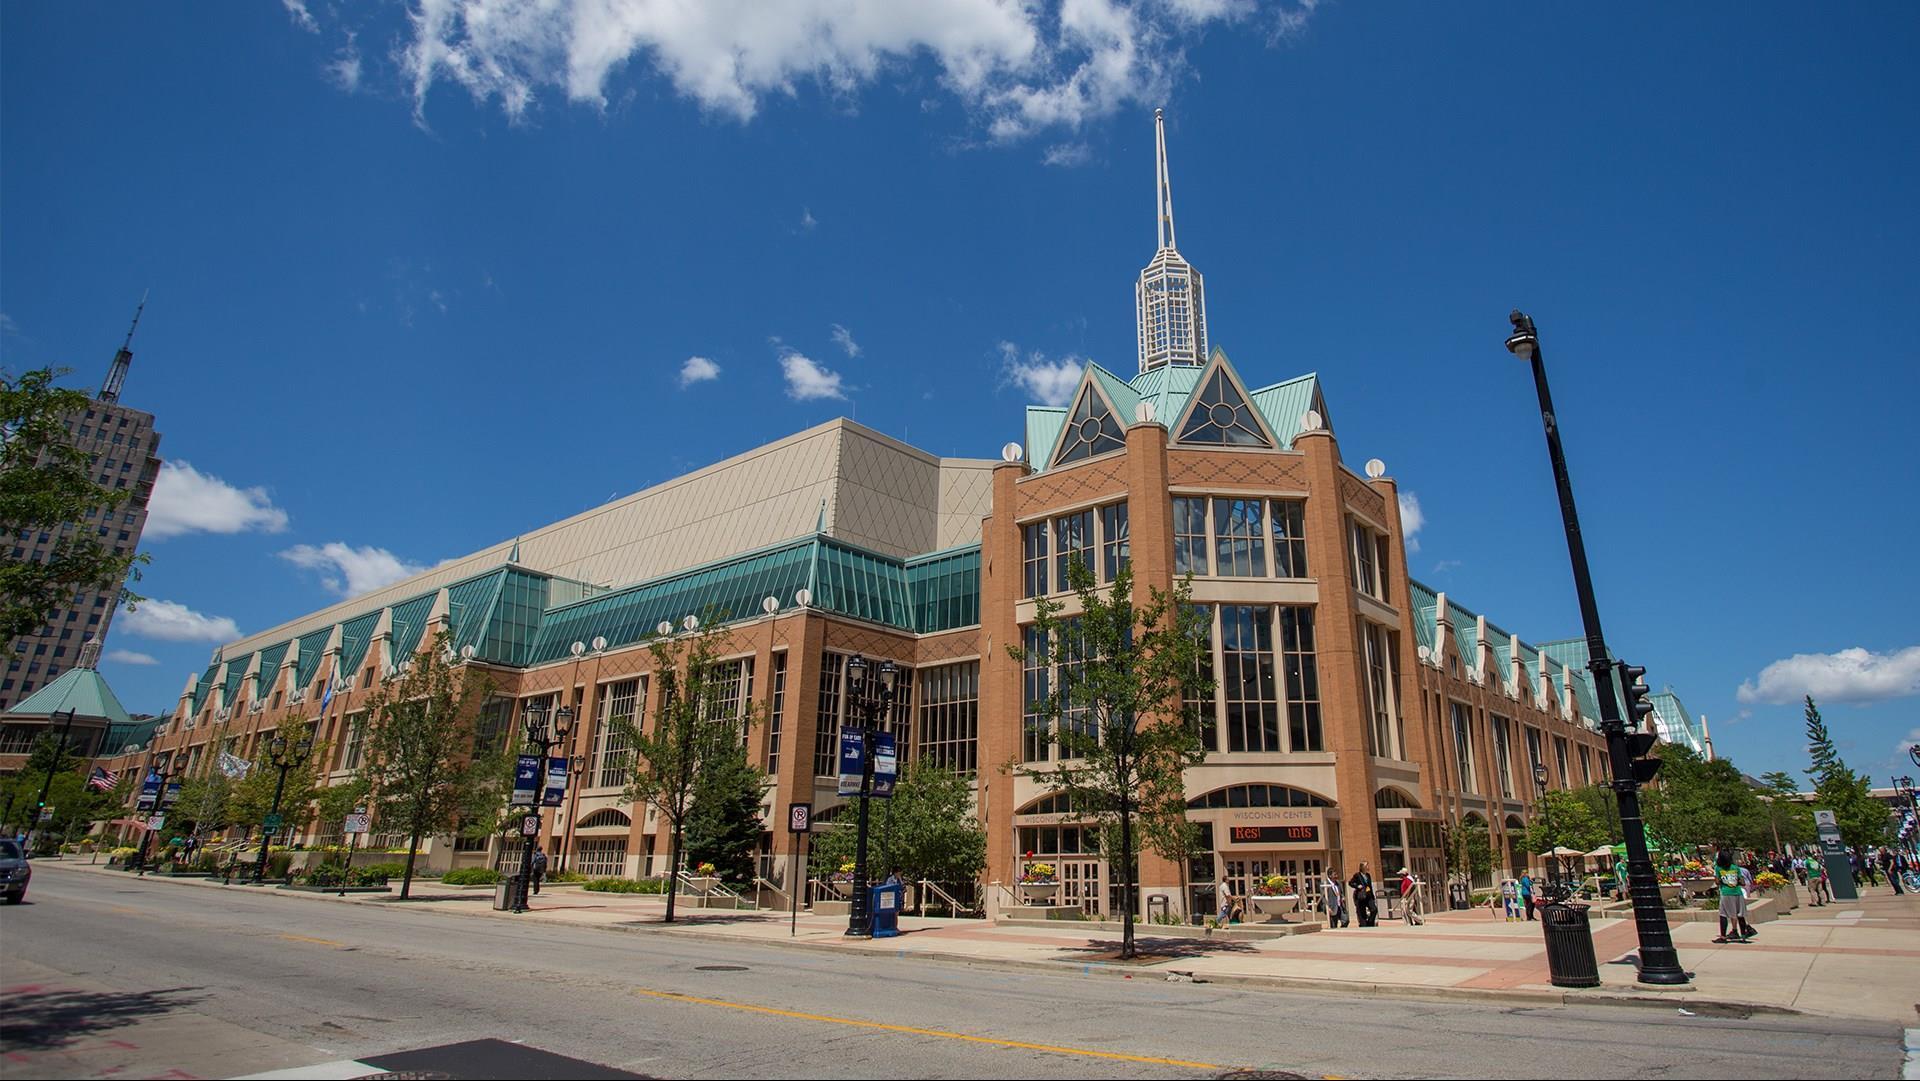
(1169, 299)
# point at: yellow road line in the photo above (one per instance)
(315, 941)
(913, 1031)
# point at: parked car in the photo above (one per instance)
(15, 872)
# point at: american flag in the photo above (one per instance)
(103, 778)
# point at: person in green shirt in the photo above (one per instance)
(1727, 877)
(1817, 887)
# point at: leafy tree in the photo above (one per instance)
(1115, 713)
(1565, 820)
(1604, 805)
(1698, 802)
(668, 758)
(926, 829)
(47, 485)
(421, 766)
(1862, 820)
(250, 798)
(1469, 850)
(723, 825)
(206, 800)
(74, 803)
(1789, 820)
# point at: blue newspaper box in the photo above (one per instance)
(886, 902)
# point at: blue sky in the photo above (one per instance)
(405, 259)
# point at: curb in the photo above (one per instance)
(1067, 967)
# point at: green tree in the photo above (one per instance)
(250, 797)
(1789, 821)
(925, 830)
(1698, 802)
(1114, 712)
(47, 485)
(723, 825)
(694, 687)
(1469, 850)
(74, 803)
(1565, 820)
(424, 767)
(1862, 820)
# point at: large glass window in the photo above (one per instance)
(1033, 549)
(1116, 542)
(1249, 690)
(1220, 415)
(1289, 538)
(950, 716)
(1035, 689)
(1200, 708)
(1365, 578)
(1239, 537)
(777, 714)
(1090, 430)
(826, 739)
(1503, 754)
(1382, 683)
(1303, 678)
(355, 750)
(1534, 755)
(1463, 747)
(624, 701)
(1560, 758)
(1072, 542)
(1586, 767)
(1190, 535)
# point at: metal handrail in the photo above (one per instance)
(761, 884)
(929, 886)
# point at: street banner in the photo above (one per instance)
(852, 761)
(149, 792)
(886, 766)
(156, 822)
(173, 793)
(526, 780)
(556, 783)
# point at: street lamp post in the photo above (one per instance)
(1659, 962)
(1546, 815)
(874, 699)
(174, 769)
(576, 765)
(546, 739)
(66, 738)
(284, 758)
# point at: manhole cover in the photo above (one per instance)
(720, 968)
(1261, 1075)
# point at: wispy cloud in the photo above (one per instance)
(806, 380)
(1411, 520)
(351, 571)
(698, 370)
(807, 220)
(843, 338)
(1050, 381)
(128, 656)
(302, 18)
(186, 500)
(169, 621)
(344, 68)
(1445, 565)
(1850, 675)
(1067, 155)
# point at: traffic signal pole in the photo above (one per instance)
(1659, 962)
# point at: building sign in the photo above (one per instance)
(556, 782)
(1273, 827)
(1273, 835)
(526, 780)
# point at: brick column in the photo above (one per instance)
(805, 636)
(1000, 693)
(1150, 526)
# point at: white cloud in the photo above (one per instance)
(1067, 155)
(128, 656)
(1411, 519)
(698, 370)
(1912, 741)
(351, 571)
(344, 69)
(807, 220)
(807, 380)
(1018, 66)
(186, 500)
(1051, 381)
(302, 18)
(1850, 675)
(843, 338)
(171, 622)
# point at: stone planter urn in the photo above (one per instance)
(1038, 892)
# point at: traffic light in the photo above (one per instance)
(1640, 742)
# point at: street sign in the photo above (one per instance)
(272, 823)
(357, 823)
(799, 817)
(46, 814)
(526, 780)
(156, 822)
(530, 826)
(556, 792)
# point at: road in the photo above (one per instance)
(109, 975)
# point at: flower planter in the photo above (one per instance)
(1273, 907)
(1038, 892)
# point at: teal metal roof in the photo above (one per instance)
(1123, 396)
(81, 690)
(1043, 431)
(1425, 609)
(204, 686)
(312, 645)
(125, 737)
(236, 674)
(1283, 404)
(270, 659)
(1466, 632)
(409, 625)
(1168, 388)
(945, 589)
(355, 635)
(1502, 644)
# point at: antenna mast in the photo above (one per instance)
(117, 373)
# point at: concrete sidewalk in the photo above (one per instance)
(1855, 959)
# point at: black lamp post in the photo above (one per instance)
(873, 699)
(546, 739)
(160, 805)
(1659, 963)
(60, 752)
(284, 758)
(575, 782)
(1546, 815)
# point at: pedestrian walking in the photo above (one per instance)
(1815, 873)
(1746, 896)
(1889, 864)
(1225, 891)
(539, 867)
(1410, 906)
(1333, 899)
(1364, 908)
(1526, 893)
(1727, 878)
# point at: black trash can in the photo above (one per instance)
(1457, 896)
(1569, 945)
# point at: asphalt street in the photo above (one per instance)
(109, 975)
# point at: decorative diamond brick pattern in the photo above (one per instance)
(1073, 484)
(1252, 470)
(1357, 494)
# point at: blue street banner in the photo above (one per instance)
(526, 780)
(149, 792)
(173, 793)
(556, 782)
(886, 767)
(852, 761)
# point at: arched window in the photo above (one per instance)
(605, 817)
(1257, 795)
(1393, 798)
(1055, 804)
(1090, 429)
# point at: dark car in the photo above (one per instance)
(14, 871)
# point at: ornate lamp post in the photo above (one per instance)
(1659, 962)
(285, 759)
(1546, 815)
(174, 769)
(873, 698)
(546, 738)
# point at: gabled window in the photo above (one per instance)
(1090, 429)
(1221, 414)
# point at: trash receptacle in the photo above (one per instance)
(1457, 896)
(1570, 957)
(885, 906)
(503, 894)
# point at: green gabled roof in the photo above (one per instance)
(355, 635)
(236, 674)
(1123, 397)
(1677, 725)
(313, 645)
(1043, 431)
(1168, 388)
(1502, 644)
(470, 606)
(1425, 612)
(81, 690)
(1283, 404)
(125, 737)
(409, 624)
(204, 686)
(270, 659)
(1466, 632)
